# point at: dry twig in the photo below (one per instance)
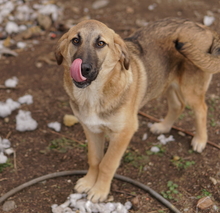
(71, 138)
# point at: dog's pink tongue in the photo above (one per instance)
(75, 70)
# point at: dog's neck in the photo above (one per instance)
(102, 95)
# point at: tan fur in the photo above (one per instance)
(175, 57)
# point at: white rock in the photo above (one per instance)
(3, 158)
(57, 209)
(55, 125)
(11, 27)
(152, 6)
(4, 110)
(141, 23)
(76, 196)
(208, 20)
(6, 9)
(64, 205)
(54, 206)
(128, 205)
(144, 137)
(9, 205)
(24, 121)
(26, 99)
(9, 151)
(23, 13)
(99, 4)
(49, 9)
(12, 105)
(21, 45)
(109, 207)
(154, 149)
(11, 82)
(22, 28)
(79, 203)
(5, 143)
(8, 107)
(149, 125)
(162, 138)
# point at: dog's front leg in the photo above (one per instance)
(95, 155)
(110, 162)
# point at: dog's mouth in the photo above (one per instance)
(80, 80)
(82, 84)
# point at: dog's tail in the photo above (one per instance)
(206, 61)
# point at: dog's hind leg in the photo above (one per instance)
(197, 102)
(200, 139)
(194, 87)
(95, 155)
(175, 107)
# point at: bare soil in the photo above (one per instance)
(43, 151)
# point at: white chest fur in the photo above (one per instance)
(94, 123)
(89, 106)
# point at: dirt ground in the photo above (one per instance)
(43, 151)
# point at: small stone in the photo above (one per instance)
(55, 126)
(9, 151)
(144, 137)
(204, 203)
(6, 120)
(129, 10)
(154, 149)
(135, 203)
(152, 6)
(70, 120)
(214, 181)
(11, 27)
(3, 158)
(44, 21)
(8, 206)
(141, 23)
(110, 199)
(182, 133)
(7, 42)
(32, 32)
(176, 158)
(208, 20)
(21, 45)
(99, 4)
(38, 64)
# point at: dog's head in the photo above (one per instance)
(89, 49)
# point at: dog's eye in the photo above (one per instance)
(75, 41)
(101, 44)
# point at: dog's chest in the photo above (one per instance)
(88, 111)
(93, 122)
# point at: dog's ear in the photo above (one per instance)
(60, 47)
(123, 50)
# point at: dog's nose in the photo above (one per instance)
(86, 69)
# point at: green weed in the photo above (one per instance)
(182, 164)
(172, 191)
(5, 165)
(136, 160)
(205, 193)
(160, 153)
(62, 145)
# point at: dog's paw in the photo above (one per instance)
(84, 184)
(198, 144)
(159, 128)
(98, 193)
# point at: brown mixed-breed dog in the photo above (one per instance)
(109, 79)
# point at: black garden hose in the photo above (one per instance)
(83, 172)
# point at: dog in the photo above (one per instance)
(109, 79)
